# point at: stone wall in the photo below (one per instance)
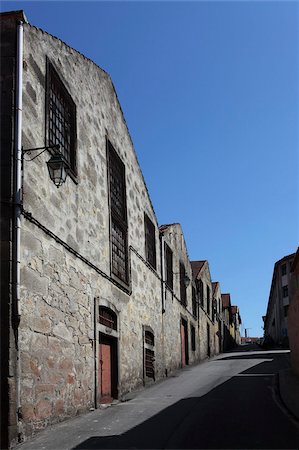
(65, 250)
(293, 315)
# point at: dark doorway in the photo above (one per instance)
(107, 369)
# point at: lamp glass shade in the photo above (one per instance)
(57, 167)
(186, 280)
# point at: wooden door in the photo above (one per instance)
(107, 369)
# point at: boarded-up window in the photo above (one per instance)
(149, 338)
(149, 363)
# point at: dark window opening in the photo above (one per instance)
(61, 118)
(150, 241)
(169, 266)
(208, 300)
(193, 340)
(283, 269)
(194, 302)
(285, 291)
(200, 289)
(149, 338)
(182, 284)
(118, 213)
(107, 317)
(285, 310)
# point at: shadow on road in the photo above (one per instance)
(238, 414)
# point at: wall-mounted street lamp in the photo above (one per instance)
(186, 280)
(57, 165)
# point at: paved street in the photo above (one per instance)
(227, 402)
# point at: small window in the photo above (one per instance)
(61, 118)
(169, 266)
(150, 241)
(193, 340)
(283, 269)
(285, 291)
(107, 317)
(182, 284)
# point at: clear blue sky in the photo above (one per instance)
(210, 95)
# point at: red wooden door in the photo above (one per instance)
(105, 383)
(183, 345)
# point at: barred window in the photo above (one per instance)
(168, 266)
(208, 300)
(194, 303)
(182, 284)
(118, 214)
(150, 241)
(107, 317)
(149, 338)
(61, 117)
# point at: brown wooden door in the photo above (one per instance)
(105, 372)
(107, 369)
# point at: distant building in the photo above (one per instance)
(293, 314)
(275, 321)
(236, 318)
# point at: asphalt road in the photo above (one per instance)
(228, 402)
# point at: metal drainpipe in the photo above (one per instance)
(17, 201)
(163, 292)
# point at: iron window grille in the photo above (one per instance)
(149, 363)
(208, 300)
(118, 215)
(61, 118)
(182, 285)
(150, 241)
(149, 338)
(169, 266)
(194, 302)
(107, 317)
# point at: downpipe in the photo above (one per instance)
(17, 210)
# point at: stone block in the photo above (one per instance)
(41, 325)
(33, 282)
(63, 332)
(43, 409)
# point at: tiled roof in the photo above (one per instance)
(234, 309)
(196, 267)
(214, 285)
(225, 300)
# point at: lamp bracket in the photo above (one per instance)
(43, 149)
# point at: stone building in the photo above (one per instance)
(236, 320)
(202, 277)
(293, 314)
(218, 321)
(180, 319)
(275, 321)
(96, 300)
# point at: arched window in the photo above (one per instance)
(149, 338)
(107, 317)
